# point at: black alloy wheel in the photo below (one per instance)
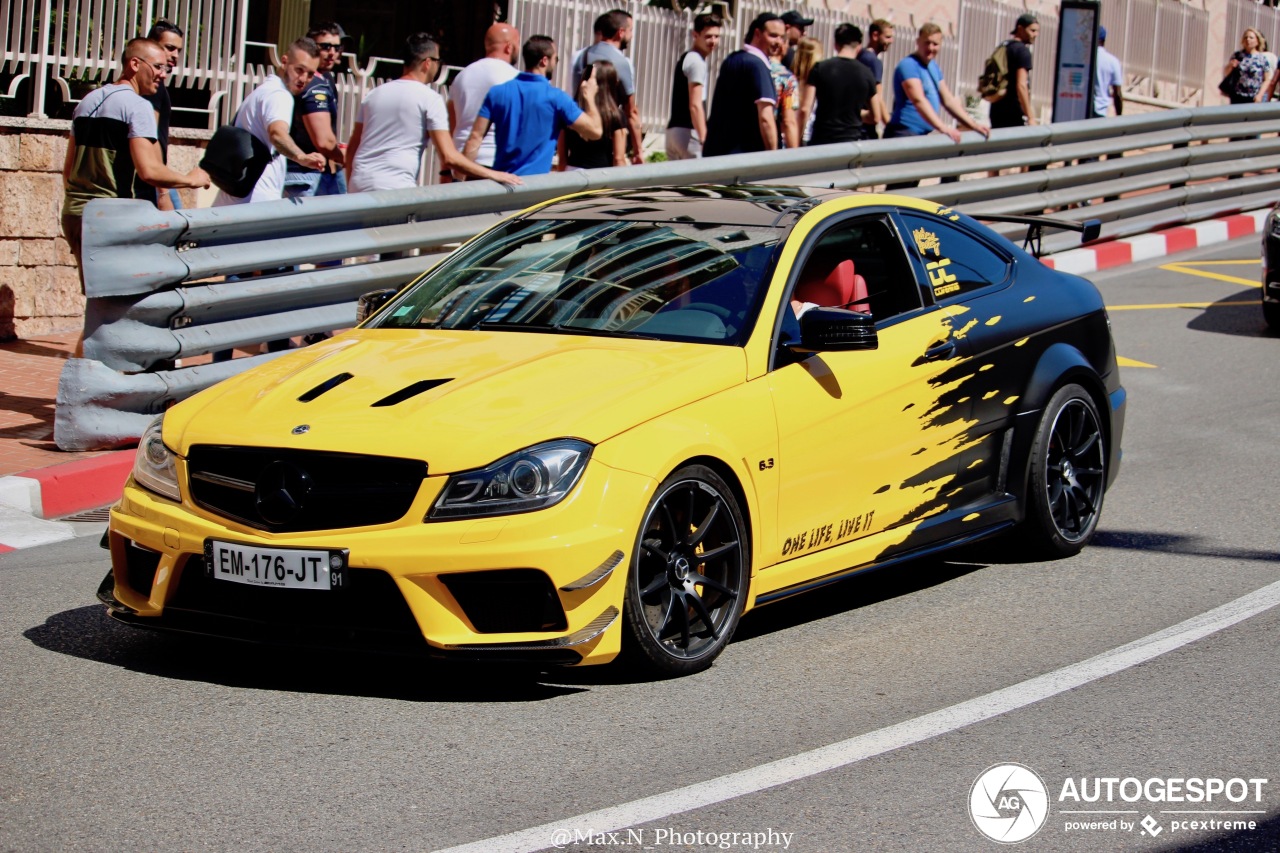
(1271, 313)
(1068, 475)
(688, 576)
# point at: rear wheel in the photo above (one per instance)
(1068, 475)
(688, 575)
(1271, 312)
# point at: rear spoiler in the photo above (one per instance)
(1089, 229)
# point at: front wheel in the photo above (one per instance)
(1067, 477)
(688, 575)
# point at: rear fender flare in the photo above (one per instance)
(1061, 363)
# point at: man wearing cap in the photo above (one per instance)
(796, 25)
(1014, 109)
(315, 121)
(1108, 80)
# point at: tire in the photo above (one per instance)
(1271, 313)
(688, 577)
(1067, 476)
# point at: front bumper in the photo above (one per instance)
(543, 586)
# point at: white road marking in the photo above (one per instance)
(884, 740)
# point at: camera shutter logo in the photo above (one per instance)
(1008, 803)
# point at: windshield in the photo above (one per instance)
(664, 280)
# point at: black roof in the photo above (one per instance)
(748, 204)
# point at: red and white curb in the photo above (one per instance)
(29, 500)
(1144, 247)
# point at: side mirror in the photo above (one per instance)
(369, 303)
(835, 330)
(1091, 231)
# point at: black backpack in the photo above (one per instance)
(235, 159)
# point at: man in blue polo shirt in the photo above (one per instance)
(528, 113)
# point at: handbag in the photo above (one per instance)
(1229, 83)
(235, 159)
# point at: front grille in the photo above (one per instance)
(370, 613)
(509, 601)
(284, 490)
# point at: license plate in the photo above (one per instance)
(284, 568)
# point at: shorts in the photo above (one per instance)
(307, 184)
(683, 144)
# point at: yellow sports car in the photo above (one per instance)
(616, 422)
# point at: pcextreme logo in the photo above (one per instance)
(1009, 803)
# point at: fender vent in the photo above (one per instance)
(323, 387)
(410, 391)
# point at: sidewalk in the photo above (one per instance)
(28, 386)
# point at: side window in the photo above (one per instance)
(859, 264)
(955, 262)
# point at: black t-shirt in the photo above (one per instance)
(320, 96)
(164, 107)
(871, 59)
(1007, 112)
(844, 89)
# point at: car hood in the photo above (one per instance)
(457, 399)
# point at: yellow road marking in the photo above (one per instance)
(1131, 362)
(1179, 305)
(1218, 263)
(1217, 276)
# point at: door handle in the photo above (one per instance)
(942, 350)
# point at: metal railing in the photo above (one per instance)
(151, 276)
(1162, 46)
(1248, 13)
(69, 43)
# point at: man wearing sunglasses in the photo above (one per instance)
(315, 120)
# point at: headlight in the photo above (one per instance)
(530, 479)
(153, 467)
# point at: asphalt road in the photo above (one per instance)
(854, 719)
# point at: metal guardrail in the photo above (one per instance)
(154, 297)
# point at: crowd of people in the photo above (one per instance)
(779, 89)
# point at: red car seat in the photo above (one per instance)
(837, 286)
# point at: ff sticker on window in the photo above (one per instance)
(930, 249)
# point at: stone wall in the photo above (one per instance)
(39, 283)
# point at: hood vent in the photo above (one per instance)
(323, 387)
(410, 391)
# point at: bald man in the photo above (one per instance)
(469, 88)
(114, 137)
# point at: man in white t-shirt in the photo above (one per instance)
(396, 119)
(688, 125)
(468, 90)
(1108, 82)
(268, 114)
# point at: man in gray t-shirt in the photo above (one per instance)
(613, 35)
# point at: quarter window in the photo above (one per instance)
(955, 262)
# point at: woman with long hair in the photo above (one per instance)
(611, 148)
(808, 54)
(1252, 66)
